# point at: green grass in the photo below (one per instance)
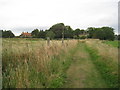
(112, 43)
(105, 66)
(60, 66)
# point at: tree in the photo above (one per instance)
(77, 33)
(82, 31)
(68, 33)
(50, 34)
(58, 29)
(99, 34)
(7, 34)
(91, 31)
(35, 33)
(41, 34)
(109, 33)
(104, 33)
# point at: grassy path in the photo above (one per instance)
(82, 72)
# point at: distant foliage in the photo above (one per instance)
(68, 33)
(7, 34)
(35, 33)
(50, 34)
(59, 31)
(77, 33)
(42, 34)
(83, 37)
(104, 33)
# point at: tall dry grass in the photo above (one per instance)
(30, 63)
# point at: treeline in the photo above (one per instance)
(104, 33)
(59, 31)
(6, 34)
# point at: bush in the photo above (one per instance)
(83, 37)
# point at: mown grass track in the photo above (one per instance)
(92, 70)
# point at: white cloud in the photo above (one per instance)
(76, 13)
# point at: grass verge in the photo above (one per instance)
(105, 66)
(112, 43)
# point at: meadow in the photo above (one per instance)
(31, 63)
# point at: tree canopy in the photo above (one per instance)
(50, 34)
(104, 33)
(68, 32)
(35, 33)
(7, 34)
(41, 34)
(58, 29)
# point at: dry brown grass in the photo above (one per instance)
(26, 60)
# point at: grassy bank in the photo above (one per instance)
(112, 43)
(106, 65)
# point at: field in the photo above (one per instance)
(112, 43)
(31, 63)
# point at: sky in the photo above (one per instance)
(27, 15)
